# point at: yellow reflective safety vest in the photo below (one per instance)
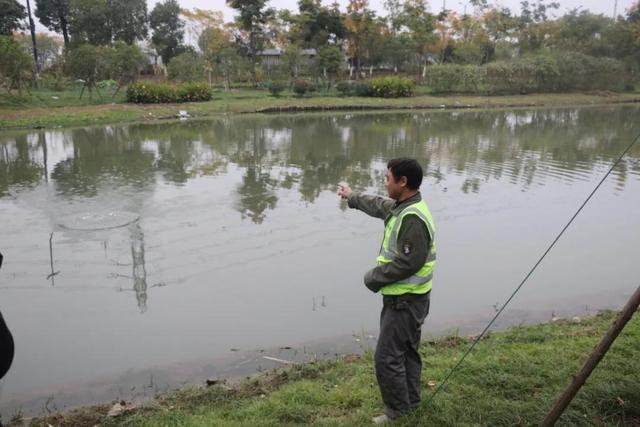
(420, 282)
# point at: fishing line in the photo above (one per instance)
(484, 331)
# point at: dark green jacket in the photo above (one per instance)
(6, 348)
(413, 237)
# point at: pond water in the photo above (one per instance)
(146, 256)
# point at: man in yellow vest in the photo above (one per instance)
(403, 274)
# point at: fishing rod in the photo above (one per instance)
(499, 312)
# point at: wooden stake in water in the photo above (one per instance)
(581, 377)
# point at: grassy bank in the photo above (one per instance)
(512, 378)
(43, 109)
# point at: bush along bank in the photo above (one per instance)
(569, 72)
(146, 92)
(512, 378)
(383, 87)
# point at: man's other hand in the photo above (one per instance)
(344, 190)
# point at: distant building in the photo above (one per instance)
(272, 58)
(155, 68)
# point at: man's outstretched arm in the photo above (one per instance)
(375, 206)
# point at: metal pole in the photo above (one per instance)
(581, 377)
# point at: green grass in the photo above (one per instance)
(41, 109)
(512, 378)
(44, 98)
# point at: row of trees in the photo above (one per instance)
(100, 22)
(408, 39)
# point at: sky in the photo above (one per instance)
(596, 6)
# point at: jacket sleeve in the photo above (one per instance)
(413, 247)
(6, 348)
(375, 206)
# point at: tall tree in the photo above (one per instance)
(633, 25)
(34, 46)
(14, 64)
(222, 54)
(316, 26)
(10, 18)
(87, 62)
(54, 14)
(128, 20)
(168, 29)
(359, 22)
(532, 24)
(125, 63)
(419, 23)
(89, 22)
(188, 66)
(469, 40)
(366, 34)
(583, 32)
(100, 22)
(253, 17)
(633, 14)
(394, 10)
(329, 63)
(633, 20)
(49, 48)
(293, 61)
(499, 24)
(397, 49)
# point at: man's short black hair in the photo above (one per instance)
(410, 168)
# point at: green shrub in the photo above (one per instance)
(103, 84)
(157, 93)
(276, 88)
(125, 62)
(87, 63)
(363, 88)
(392, 87)
(193, 92)
(355, 88)
(345, 87)
(543, 71)
(523, 75)
(449, 78)
(187, 67)
(569, 71)
(54, 80)
(150, 93)
(15, 64)
(583, 72)
(442, 78)
(300, 87)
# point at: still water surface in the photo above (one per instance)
(236, 243)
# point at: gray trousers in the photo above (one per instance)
(398, 363)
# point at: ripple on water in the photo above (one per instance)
(99, 220)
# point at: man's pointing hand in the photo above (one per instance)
(344, 190)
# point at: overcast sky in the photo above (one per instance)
(596, 6)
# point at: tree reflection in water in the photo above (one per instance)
(305, 155)
(310, 153)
